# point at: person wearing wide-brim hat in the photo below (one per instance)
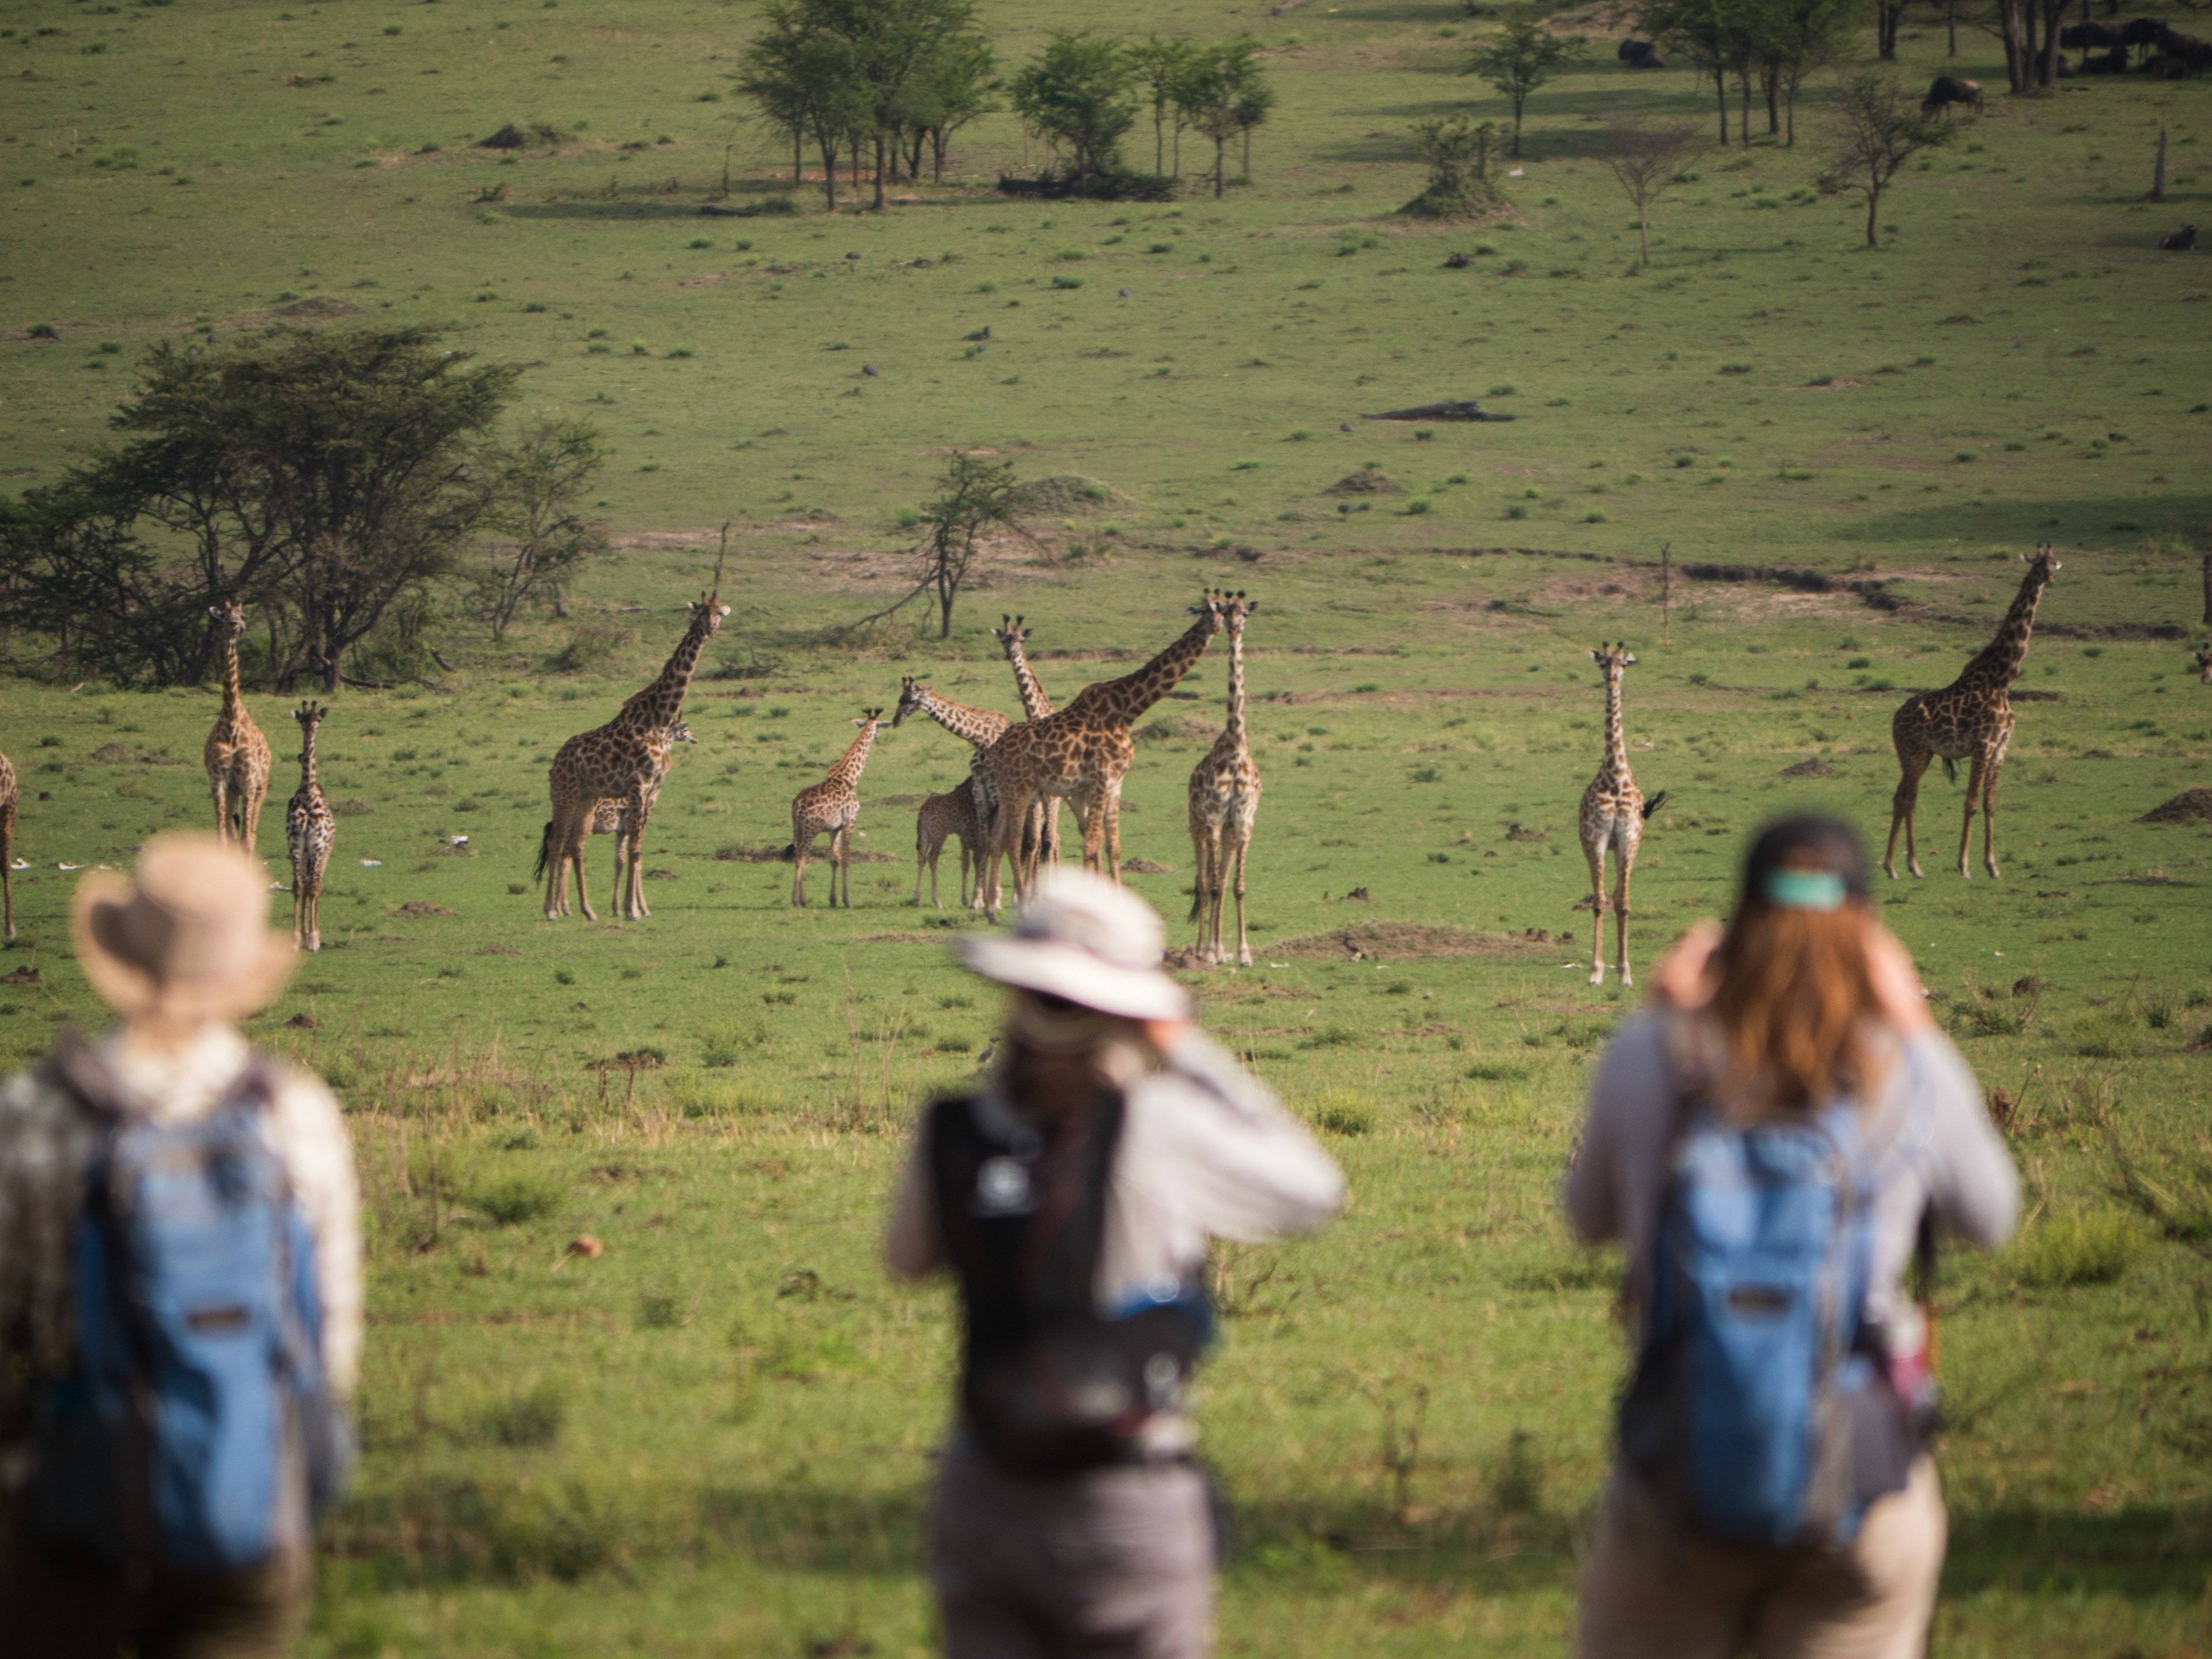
(1073, 1196)
(181, 950)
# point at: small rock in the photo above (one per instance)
(585, 1245)
(1125, 293)
(868, 370)
(1344, 425)
(852, 256)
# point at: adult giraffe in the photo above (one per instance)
(1611, 820)
(623, 760)
(979, 728)
(1969, 719)
(1225, 799)
(1012, 633)
(1083, 752)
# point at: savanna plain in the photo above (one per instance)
(713, 1435)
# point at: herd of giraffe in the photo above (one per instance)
(608, 780)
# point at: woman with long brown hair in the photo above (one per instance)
(1771, 1140)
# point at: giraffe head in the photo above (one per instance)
(870, 717)
(1235, 608)
(2042, 565)
(707, 610)
(681, 732)
(1011, 632)
(1614, 659)
(230, 620)
(913, 696)
(310, 716)
(2204, 662)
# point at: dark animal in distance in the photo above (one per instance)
(1640, 54)
(2114, 62)
(2179, 241)
(2085, 37)
(1946, 90)
(2140, 31)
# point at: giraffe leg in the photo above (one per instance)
(580, 831)
(845, 863)
(639, 812)
(219, 786)
(1201, 852)
(1243, 944)
(802, 842)
(1911, 767)
(1626, 852)
(1990, 816)
(1976, 782)
(1052, 829)
(7, 864)
(557, 837)
(1114, 838)
(251, 827)
(1595, 852)
(1217, 898)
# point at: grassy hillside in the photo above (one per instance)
(714, 1436)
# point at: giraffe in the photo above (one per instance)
(310, 828)
(607, 817)
(1969, 719)
(981, 727)
(8, 840)
(1013, 634)
(623, 760)
(237, 754)
(1083, 751)
(952, 814)
(2204, 663)
(833, 804)
(1612, 820)
(1224, 799)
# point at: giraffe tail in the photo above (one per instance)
(1653, 803)
(545, 851)
(1950, 770)
(1197, 900)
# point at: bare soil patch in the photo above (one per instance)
(1402, 939)
(1813, 767)
(2191, 805)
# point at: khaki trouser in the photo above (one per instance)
(1650, 1591)
(1113, 1564)
(56, 1604)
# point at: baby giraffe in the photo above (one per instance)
(1612, 820)
(310, 828)
(834, 805)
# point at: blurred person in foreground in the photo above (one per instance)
(179, 1288)
(1774, 1141)
(1073, 1197)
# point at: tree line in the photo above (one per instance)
(333, 482)
(872, 84)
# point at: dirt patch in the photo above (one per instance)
(20, 977)
(1402, 939)
(1816, 767)
(2192, 805)
(352, 808)
(903, 938)
(318, 308)
(1366, 481)
(114, 754)
(764, 854)
(421, 908)
(1519, 831)
(2111, 630)
(497, 951)
(1178, 726)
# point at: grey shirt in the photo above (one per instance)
(1930, 1140)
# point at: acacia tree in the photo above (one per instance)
(1519, 59)
(1221, 93)
(953, 87)
(804, 79)
(1081, 93)
(1255, 102)
(534, 486)
(1458, 150)
(1879, 128)
(973, 496)
(1648, 161)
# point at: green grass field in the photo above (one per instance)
(714, 1437)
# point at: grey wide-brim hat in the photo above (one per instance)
(1081, 937)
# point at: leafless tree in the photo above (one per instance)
(1879, 127)
(1649, 159)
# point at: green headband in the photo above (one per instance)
(1804, 890)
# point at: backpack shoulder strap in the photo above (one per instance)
(80, 1074)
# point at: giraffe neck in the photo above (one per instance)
(1034, 703)
(660, 702)
(848, 770)
(1235, 728)
(977, 725)
(234, 694)
(1999, 664)
(1616, 743)
(307, 780)
(1119, 702)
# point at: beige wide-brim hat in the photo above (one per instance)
(186, 938)
(1082, 938)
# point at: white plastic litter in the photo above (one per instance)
(372, 863)
(69, 866)
(457, 841)
(19, 864)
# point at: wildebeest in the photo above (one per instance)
(2114, 62)
(2179, 241)
(2087, 37)
(1640, 54)
(1945, 91)
(2143, 32)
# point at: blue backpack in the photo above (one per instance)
(1761, 1408)
(196, 1431)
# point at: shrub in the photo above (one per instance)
(511, 1199)
(527, 1421)
(2064, 1250)
(1341, 1112)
